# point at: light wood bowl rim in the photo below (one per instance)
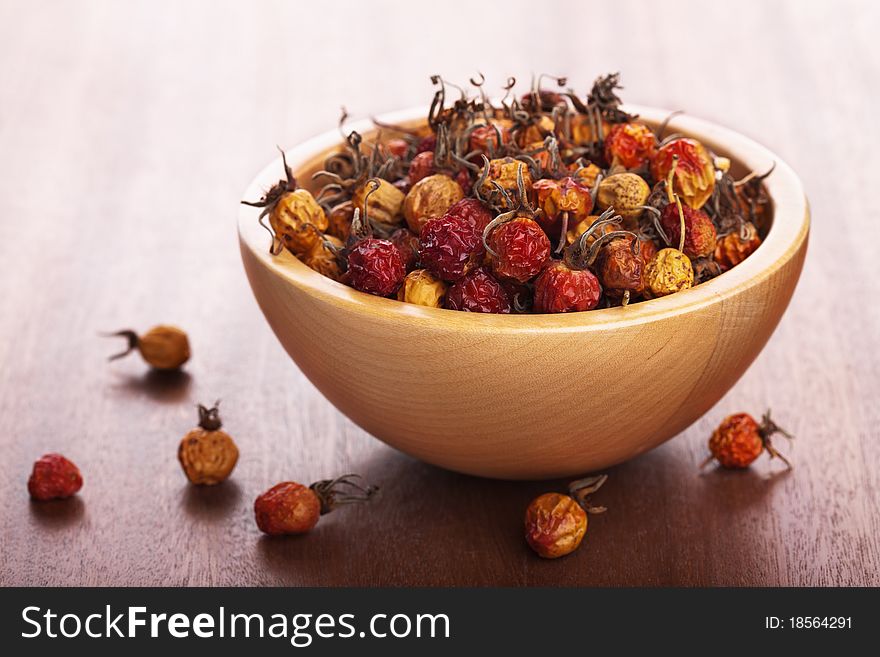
(790, 227)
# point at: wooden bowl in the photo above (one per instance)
(530, 396)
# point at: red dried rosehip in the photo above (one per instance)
(489, 138)
(427, 143)
(555, 198)
(630, 145)
(476, 213)
(735, 247)
(555, 525)
(397, 147)
(54, 477)
(422, 166)
(699, 231)
(407, 242)
(694, 177)
(519, 248)
(618, 268)
(450, 246)
(478, 292)
(291, 508)
(739, 440)
(561, 289)
(376, 266)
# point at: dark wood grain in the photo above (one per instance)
(127, 132)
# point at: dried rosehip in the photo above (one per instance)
(54, 478)
(586, 175)
(427, 143)
(584, 132)
(429, 198)
(694, 173)
(451, 246)
(699, 231)
(562, 203)
(207, 454)
(518, 247)
(339, 220)
(735, 247)
(488, 138)
(620, 267)
(504, 182)
(291, 508)
(629, 145)
(422, 166)
(555, 524)
(739, 440)
(324, 258)
(668, 272)
(397, 147)
(163, 347)
(561, 289)
(384, 201)
(376, 266)
(478, 292)
(626, 193)
(473, 211)
(422, 288)
(407, 243)
(537, 130)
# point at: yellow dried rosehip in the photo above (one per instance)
(626, 193)
(735, 247)
(582, 130)
(694, 178)
(567, 195)
(298, 221)
(323, 259)
(505, 172)
(383, 205)
(207, 454)
(668, 272)
(422, 288)
(339, 220)
(429, 198)
(554, 525)
(163, 347)
(536, 131)
(587, 175)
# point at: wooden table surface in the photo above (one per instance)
(127, 134)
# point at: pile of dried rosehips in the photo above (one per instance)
(542, 203)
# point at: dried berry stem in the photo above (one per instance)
(343, 490)
(129, 335)
(581, 489)
(209, 418)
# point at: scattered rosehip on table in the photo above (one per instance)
(163, 347)
(291, 508)
(207, 454)
(555, 524)
(739, 440)
(54, 478)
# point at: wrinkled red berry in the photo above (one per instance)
(561, 289)
(407, 242)
(450, 247)
(474, 211)
(478, 292)
(376, 266)
(397, 147)
(699, 231)
(287, 508)
(428, 143)
(54, 477)
(630, 145)
(521, 247)
(422, 166)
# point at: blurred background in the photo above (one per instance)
(128, 132)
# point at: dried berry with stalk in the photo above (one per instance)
(422, 166)
(429, 198)
(739, 440)
(472, 210)
(381, 201)
(291, 508)
(478, 292)
(163, 347)
(422, 288)
(699, 231)
(451, 246)
(54, 478)
(375, 266)
(296, 220)
(630, 145)
(694, 178)
(555, 524)
(562, 203)
(325, 257)
(207, 454)
(735, 247)
(498, 184)
(626, 193)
